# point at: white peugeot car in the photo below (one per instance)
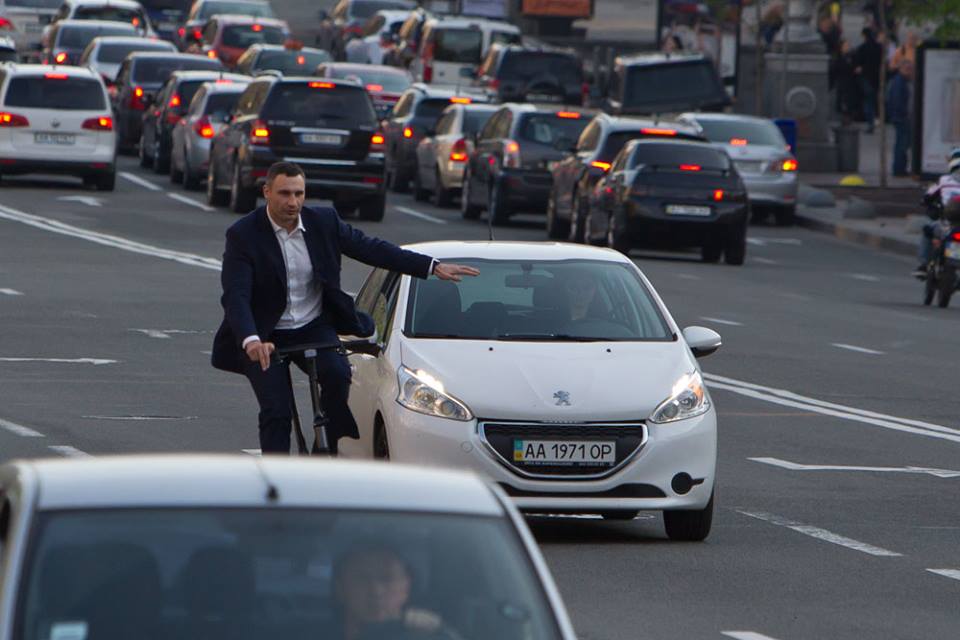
(558, 372)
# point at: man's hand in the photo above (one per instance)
(260, 351)
(453, 271)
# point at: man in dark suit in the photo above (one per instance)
(281, 287)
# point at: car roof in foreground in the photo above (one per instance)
(516, 250)
(135, 40)
(727, 117)
(120, 4)
(41, 69)
(242, 481)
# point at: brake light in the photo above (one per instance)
(374, 87)
(718, 195)
(197, 34)
(103, 123)
(182, 31)
(135, 22)
(458, 153)
(789, 165)
(568, 115)
(203, 128)
(55, 76)
(6, 25)
(60, 58)
(654, 131)
(212, 54)
(260, 134)
(13, 120)
(321, 85)
(511, 155)
(407, 132)
(136, 99)
(955, 236)
(461, 100)
(689, 167)
(256, 27)
(301, 60)
(174, 101)
(599, 164)
(378, 142)
(738, 142)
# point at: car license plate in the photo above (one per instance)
(952, 251)
(55, 138)
(542, 97)
(320, 138)
(565, 452)
(687, 210)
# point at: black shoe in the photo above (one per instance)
(920, 272)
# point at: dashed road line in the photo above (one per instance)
(252, 452)
(190, 201)
(93, 361)
(687, 276)
(138, 180)
(947, 573)
(821, 534)
(19, 429)
(864, 277)
(853, 347)
(420, 215)
(796, 466)
(732, 323)
(68, 451)
(11, 292)
(760, 260)
(746, 635)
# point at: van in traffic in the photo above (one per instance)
(449, 45)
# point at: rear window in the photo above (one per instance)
(37, 92)
(256, 9)
(528, 65)
(696, 85)
(473, 120)
(7, 55)
(457, 45)
(35, 4)
(114, 14)
(186, 91)
(432, 108)
(667, 155)
(366, 8)
(391, 81)
(182, 6)
(79, 36)
(221, 103)
(115, 53)
(340, 106)
(242, 36)
(157, 71)
(292, 62)
(754, 132)
(504, 37)
(548, 128)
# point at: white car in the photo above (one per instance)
(378, 32)
(450, 45)
(57, 119)
(241, 547)
(557, 372)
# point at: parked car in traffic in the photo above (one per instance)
(513, 73)
(384, 84)
(68, 38)
(105, 54)
(26, 22)
(127, 11)
(191, 546)
(57, 120)
(226, 37)
(575, 176)
(139, 78)
(442, 157)
(191, 31)
(674, 194)
(165, 111)
(288, 60)
(450, 46)
(327, 126)
(509, 168)
(762, 157)
(208, 113)
(658, 83)
(346, 20)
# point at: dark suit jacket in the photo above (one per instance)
(254, 277)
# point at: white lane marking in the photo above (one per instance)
(138, 180)
(93, 361)
(11, 292)
(252, 452)
(760, 260)
(796, 466)
(418, 214)
(69, 452)
(90, 201)
(864, 277)
(190, 201)
(687, 276)
(746, 635)
(164, 334)
(947, 573)
(821, 534)
(853, 347)
(140, 418)
(55, 226)
(19, 429)
(731, 323)
(761, 241)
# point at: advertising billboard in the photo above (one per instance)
(936, 107)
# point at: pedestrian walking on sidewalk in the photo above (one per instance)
(868, 61)
(899, 107)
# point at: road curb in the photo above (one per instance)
(863, 237)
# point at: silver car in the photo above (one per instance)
(762, 158)
(25, 20)
(441, 158)
(208, 112)
(105, 54)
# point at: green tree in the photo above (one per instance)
(944, 15)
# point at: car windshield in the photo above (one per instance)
(756, 132)
(220, 104)
(292, 62)
(157, 71)
(242, 36)
(278, 573)
(549, 128)
(570, 300)
(342, 106)
(256, 9)
(655, 86)
(665, 154)
(389, 81)
(115, 53)
(37, 92)
(366, 8)
(546, 67)
(79, 36)
(111, 13)
(458, 45)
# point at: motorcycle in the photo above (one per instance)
(943, 269)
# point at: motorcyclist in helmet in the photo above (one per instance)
(939, 197)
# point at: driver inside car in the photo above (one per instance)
(581, 292)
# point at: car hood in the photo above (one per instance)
(603, 381)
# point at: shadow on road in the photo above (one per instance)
(579, 530)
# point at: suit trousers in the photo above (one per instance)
(274, 395)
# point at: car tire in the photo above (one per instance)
(735, 247)
(945, 286)
(617, 238)
(442, 197)
(620, 514)
(758, 214)
(161, 161)
(689, 525)
(381, 445)
(191, 181)
(176, 175)
(556, 229)
(468, 210)
(145, 161)
(106, 181)
(577, 215)
(786, 216)
(395, 183)
(373, 208)
(711, 252)
(497, 209)
(242, 199)
(215, 197)
(929, 287)
(419, 193)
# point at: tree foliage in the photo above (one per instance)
(943, 15)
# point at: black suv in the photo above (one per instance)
(326, 126)
(414, 118)
(172, 101)
(575, 176)
(512, 73)
(508, 169)
(659, 83)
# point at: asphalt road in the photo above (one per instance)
(109, 302)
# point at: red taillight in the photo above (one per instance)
(6, 25)
(458, 152)
(955, 236)
(689, 167)
(718, 195)
(13, 120)
(197, 34)
(135, 22)
(182, 31)
(321, 85)
(203, 128)
(738, 142)
(599, 164)
(260, 134)
(103, 123)
(511, 154)
(568, 115)
(60, 58)
(301, 60)
(174, 101)
(136, 99)
(374, 87)
(256, 27)
(789, 165)
(407, 132)
(55, 76)
(654, 131)
(212, 54)
(461, 100)
(378, 143)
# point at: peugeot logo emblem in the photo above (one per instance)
(562, 398)
(56, 124)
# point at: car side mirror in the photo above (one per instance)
(702, 341)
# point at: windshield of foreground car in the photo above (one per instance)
(230, 574)
(558, 301)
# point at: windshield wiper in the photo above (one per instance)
(546, 337)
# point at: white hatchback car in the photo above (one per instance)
(227, 548)
(57, 119)
(558, 372)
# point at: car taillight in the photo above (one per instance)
(461, 100)
(212, 54)
(568, 115)
(13, 120)
(174, 101)
(427, 72)
(718, 195)
(375, 87)
(458, 152)
(182, 31)
(955, 236)
(655, 131)
(321, 85)
(407, 132)
(377, 143)
(738, 142)
(689, 167)
(197, 34)
(55, 76)
(599, 164)
(136, 99)
(6, 25)
(260, 133)
(789, 165)
(511, 154)
(61, 57)
(203, 128)
(103, 123)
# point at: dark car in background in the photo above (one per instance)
(105, 54)
(328, 127)
(191, 31)
(138, 80)
(346, 20)
(513, 73)
(407, 44)
(662, 83)
(509, 167)
(286, 59)
(384, 84)
(166, 16)
(68, 38)
(674, 194)
(575, 176)
(170, 104)
(227, 37)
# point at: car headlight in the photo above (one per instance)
(421, 392)
(688, 399)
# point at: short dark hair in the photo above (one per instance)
(289, 169)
